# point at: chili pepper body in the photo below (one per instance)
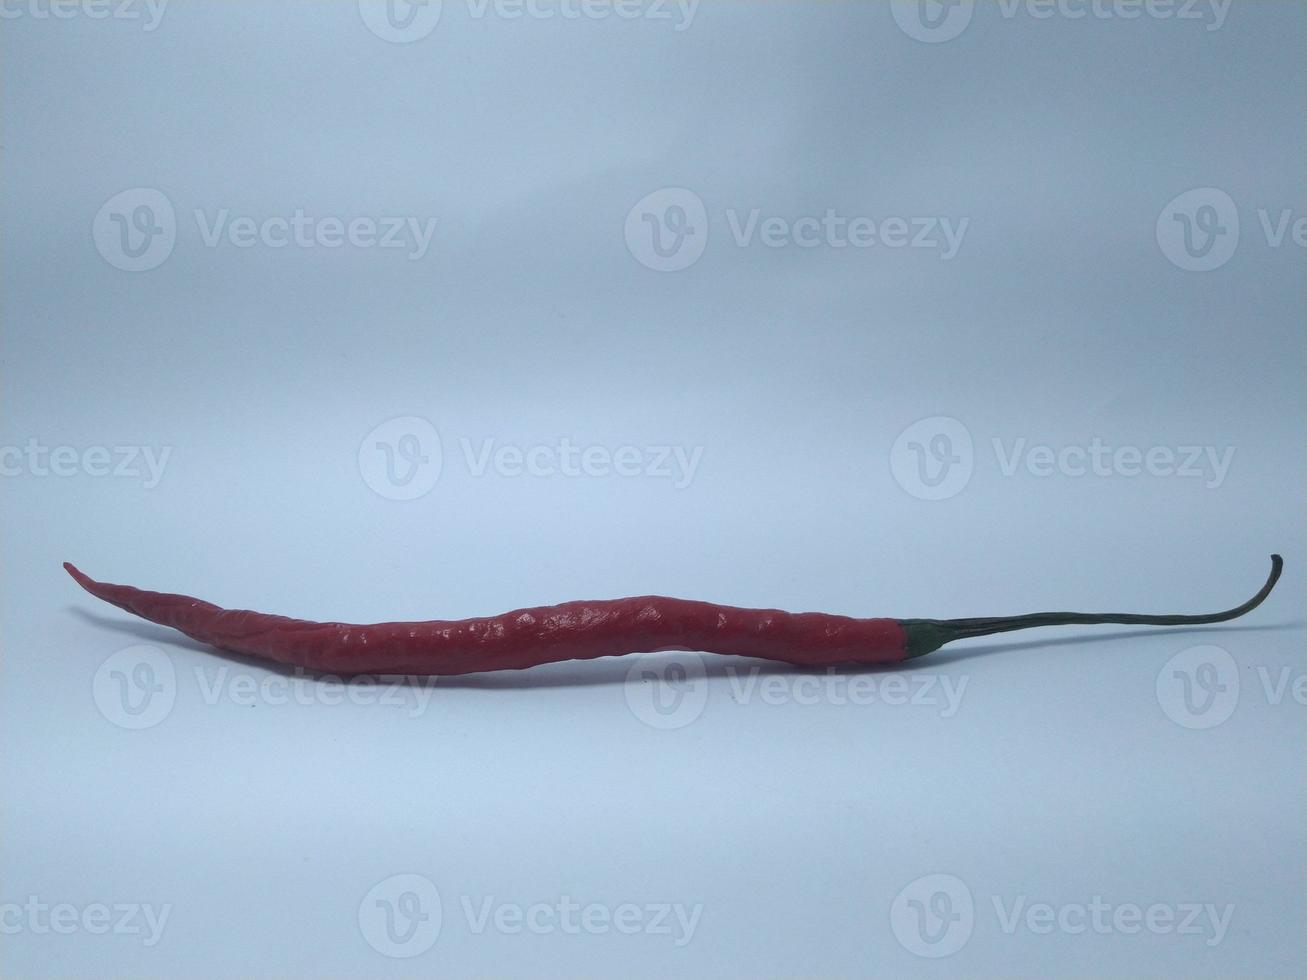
(519, 639)
(585, 630)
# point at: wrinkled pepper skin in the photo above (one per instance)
(519, 639)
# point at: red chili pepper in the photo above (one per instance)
(584, 630)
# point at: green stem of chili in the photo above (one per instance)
(927, 635)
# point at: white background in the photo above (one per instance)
(802, 823)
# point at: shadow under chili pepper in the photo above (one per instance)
(612, 671)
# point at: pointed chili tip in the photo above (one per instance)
(85, 581)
